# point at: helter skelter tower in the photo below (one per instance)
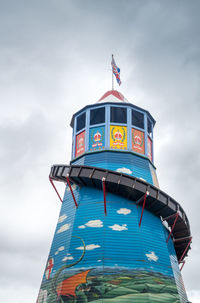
(119, 237)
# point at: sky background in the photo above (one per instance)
(54, 59)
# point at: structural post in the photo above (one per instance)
(183, 263)
(169, 217)
(68, 182)
(176, 218)
(104, 194)
(143, 206)
(181, 258)
(50, 179)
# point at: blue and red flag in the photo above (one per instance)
(116, 70)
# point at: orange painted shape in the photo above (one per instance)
(68, 286)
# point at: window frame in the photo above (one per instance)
(135, 126)
(100, 123)
(78, 131)
(119, 123)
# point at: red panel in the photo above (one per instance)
(137, 141)
(149, 144)
(80, 144)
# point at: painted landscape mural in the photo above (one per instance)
(123, 286)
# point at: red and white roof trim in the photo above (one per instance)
(113, 96)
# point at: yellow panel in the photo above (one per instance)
(118, 137)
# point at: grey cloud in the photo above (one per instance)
(54, 59)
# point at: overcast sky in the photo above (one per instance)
(54, 59)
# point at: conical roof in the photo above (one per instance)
(113, 96)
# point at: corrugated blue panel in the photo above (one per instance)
(122, 162)
(121, 262)
(176, 271)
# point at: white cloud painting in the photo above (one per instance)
(64, 228)
(81, 226)
(94, 223)
(61, 248)
(89, 247)
(124, 170)
(62, 218)
(118, 227)
(67, 258)
(124, 211)
(152, 256)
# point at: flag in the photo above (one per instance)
(116, 70)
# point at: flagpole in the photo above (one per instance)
(112, 76)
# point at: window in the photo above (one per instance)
(97, 116)
(118, 115)
(149, 127)
(80, 122)
(137, 119)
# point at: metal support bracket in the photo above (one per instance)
(69, 184)
(176, 218)
(143, 206)
(169, 217)
(183, 263)
(50, 179)
(140, 200)
(181, 258)
(104, 194)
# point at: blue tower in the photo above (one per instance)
(119, 237)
